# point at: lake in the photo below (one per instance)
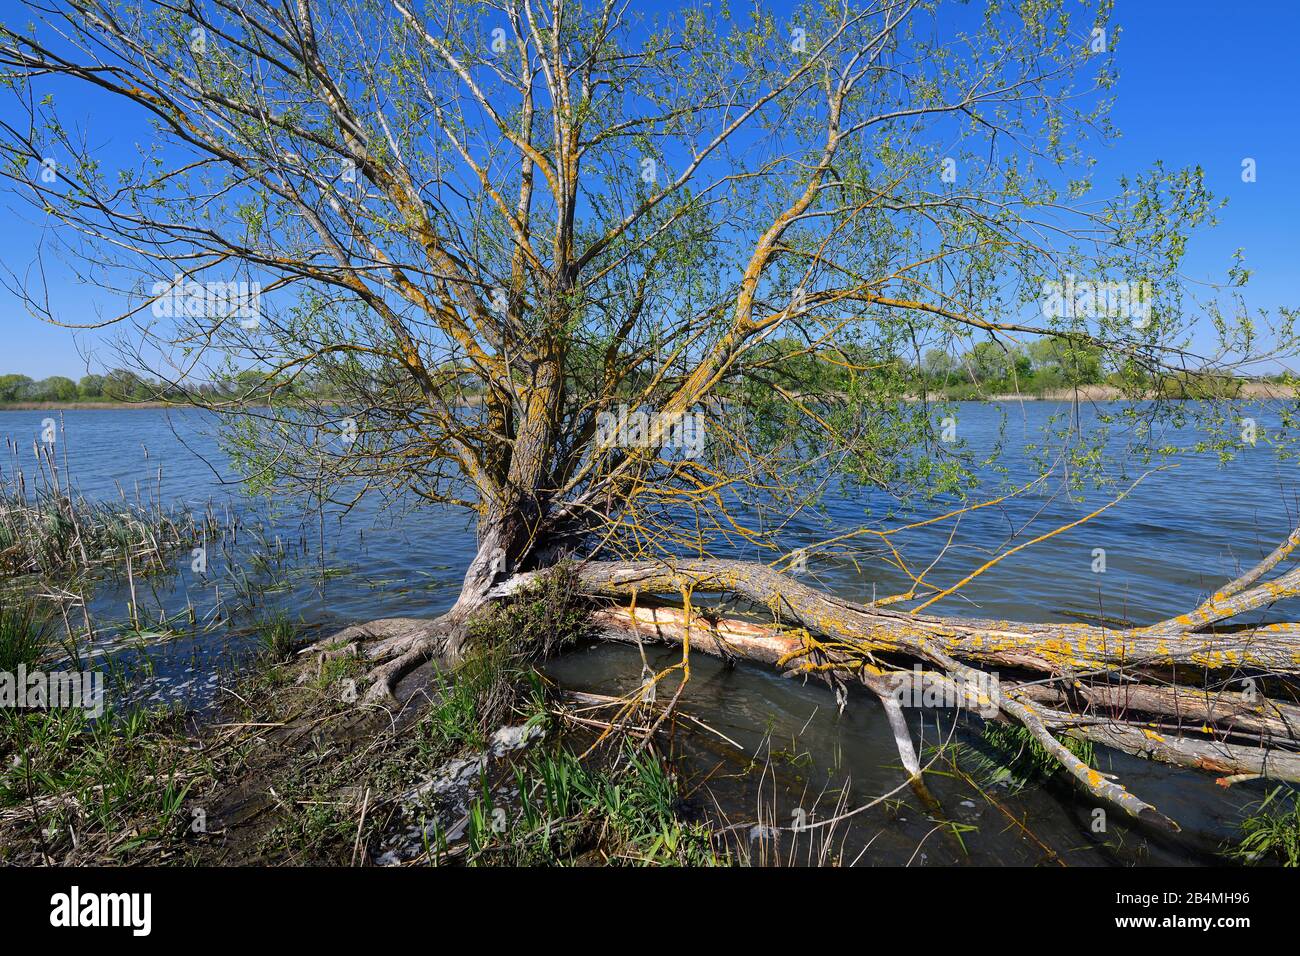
(1176, 536)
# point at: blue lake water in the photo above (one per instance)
(1177, 535)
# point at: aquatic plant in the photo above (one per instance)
(52, 531)
(1008, 755)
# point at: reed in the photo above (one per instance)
(49, 529)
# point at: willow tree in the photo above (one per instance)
(630, 288)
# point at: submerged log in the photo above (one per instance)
(816, 631)
(1212, 756)
(1194, 709)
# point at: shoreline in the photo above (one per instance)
(1085, 393)
(79, 406)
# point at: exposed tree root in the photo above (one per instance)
(397, 645)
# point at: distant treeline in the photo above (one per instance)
(989, 368)
(1052, 365)
(121, 385)
(1041, 367)
(116, 386)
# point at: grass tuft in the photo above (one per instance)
(1272, 832)
(24, 635)
(278, 637)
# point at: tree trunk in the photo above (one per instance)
(399, 645)
(1047, 648)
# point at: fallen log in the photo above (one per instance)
(1091, 668)
(1195, 709)
(1205, 711)
(1054, 648)
(1210, 756)
(739, 639)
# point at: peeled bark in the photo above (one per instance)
(1048, 648)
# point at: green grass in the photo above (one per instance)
(24, 635)
(626, 814)
(1272, 832)
(616, 807)
(124, 784)
(118, 783)
(278, 637)
(497, 680)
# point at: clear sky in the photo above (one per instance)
(1201, 82)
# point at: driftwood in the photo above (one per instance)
(1113, 686)
(1126, 688)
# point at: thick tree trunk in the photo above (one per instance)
(399, 645)
(498, 549)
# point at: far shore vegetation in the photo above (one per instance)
(1043, 369)
(125, 388)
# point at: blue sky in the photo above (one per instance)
(1201, 82)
